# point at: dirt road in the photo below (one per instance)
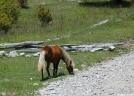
(112, 78)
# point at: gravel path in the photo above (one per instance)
(113, 78)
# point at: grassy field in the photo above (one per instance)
(19, 76)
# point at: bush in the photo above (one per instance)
(44, 15)
(5, 22)
(9, 13)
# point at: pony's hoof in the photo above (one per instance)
(43, 79)
(71, 73)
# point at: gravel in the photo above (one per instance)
(112, 78)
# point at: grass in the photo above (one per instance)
(68, 17)
(15, 76)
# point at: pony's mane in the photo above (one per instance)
(67, 56)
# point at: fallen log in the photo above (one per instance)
(27, 46)
(13, 45)
(90, 47)
(29, 50)
(68, 45)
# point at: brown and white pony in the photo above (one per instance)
(53, 54)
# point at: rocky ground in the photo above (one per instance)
(112, 78)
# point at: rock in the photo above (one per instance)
(35, 84)
(2, 53)
(31, 78)
(22, 54)
(13, 54)
(111, 48)
(36, 54)
(28, 55)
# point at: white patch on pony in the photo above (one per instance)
(41, 63)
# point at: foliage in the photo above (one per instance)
(5, 22)
(9, 14)
(44, 15)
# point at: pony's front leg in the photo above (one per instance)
(55, 69)
(47, 68)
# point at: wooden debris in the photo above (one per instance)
(14, 45)
(90, 47)
(29, 50)
(33, 46)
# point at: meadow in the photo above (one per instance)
(19, 75)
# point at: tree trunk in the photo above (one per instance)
(23, 3)
(118, 1)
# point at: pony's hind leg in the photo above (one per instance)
(42, 74)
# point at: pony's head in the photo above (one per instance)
(69, 62)
(70, 67)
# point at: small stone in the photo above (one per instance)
(31, 78)
(35, 84)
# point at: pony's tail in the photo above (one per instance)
(41, 63)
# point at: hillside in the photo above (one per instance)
(73, 22)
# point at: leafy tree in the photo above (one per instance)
(9, 13)
(44, 15)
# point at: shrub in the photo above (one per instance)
(9, 13)
(44, 15)
(5, 22)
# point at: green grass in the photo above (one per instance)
(68, 18)
(15, 75)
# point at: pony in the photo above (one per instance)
(53, 54)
